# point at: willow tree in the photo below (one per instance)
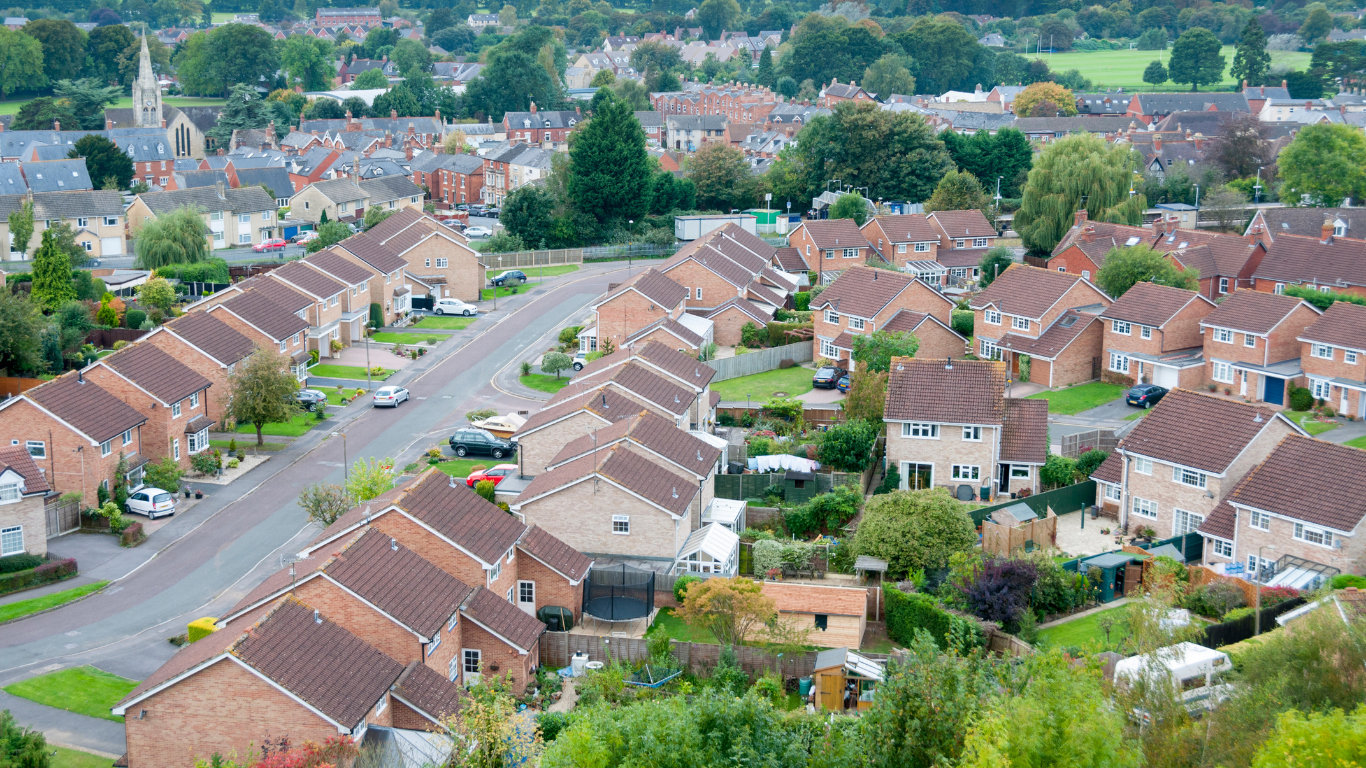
(1075, 173)
(179, 237)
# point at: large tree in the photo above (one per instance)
(825, 48)
(529, 213)
(888, 75)
(43, 113)
(717, 16)
(243, 109)
(946, 52)
(611, 168)
(1317, 24)
(875, 351)
(179, 237)
(1196, 59)
(52, 285)
(1344, 62)
(1324, 165)
(226, 56)
(522, 69)
(1251, 60)
(104, 46)
(410, 56)
(1125, 267)
(21, 228)
(370, 79)
(1005, 156)
(63, 47)
(261, 391)
(306, 60)
(721, 177)
(915, 529)
(731, 608)
(103, 161)
(959, 191)
(1045, 100)
(21, 326)
(87, 99)
(21, 62)
(1242, 146)
(1082, 166)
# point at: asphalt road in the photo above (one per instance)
(237, 537)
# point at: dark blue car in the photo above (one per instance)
(843, 384)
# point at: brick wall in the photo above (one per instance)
(551, 587)
(1074, 364)
(582, 519)
(67, 469)
(943, 453)
(1281, 534)
(1183, 330)
(537, 449)
(728, 326)
(624, 315)
(200, 363)
(496, 653)
(936, 341)
(463, 272)
(432, 549)
(160, 428)
(1073, 261)
(28, 514)
(715, 290)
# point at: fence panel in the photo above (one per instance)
(62, 517)
(13, 386)
(753, 486)
(1238, 630)
(532, 258)
(1192, 545)
(236, 272)
(1069, 498)
(760, 360)
(104, 338)
(557, 648)
(1081, 442)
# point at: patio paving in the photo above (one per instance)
(355, 355)
(1078, 541)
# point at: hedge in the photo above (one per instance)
(777, 336)
(210, 271)
(53, 570)
(962, 321)
(20, 562)
(201, 628)
(132, 534)
(909, 611)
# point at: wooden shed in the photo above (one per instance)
(844, 680)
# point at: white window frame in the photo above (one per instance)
(989, 350)
(1249, 340)
(194, 400)
(1223, 285)
(979, 242)
(1223, 548)
(1184, 521)
(175, 448)
(621, 525)
(831, 316)
(453, 668)
(1223, 335)
(107, 447)
(1143, 465)
(1113, 491)
(1321, 351)
(1279, 289)
(851, 253)
(1259, 520)
(828, 349)
(1145, 331)
(1019, 471)
(965, 472)
(1146, 508)
(972, 434)
(1019, 323)
(36, 448)
(1121, 327)
(920, 430)
(433, 645)
(442, 263)
(1349, 357)
(175, 410)
(1119, 362)
(1192, 478)
(496, 571)
(921, 248)
(466, 656)
(1222, 372)
(856, 324)
(1321, 389)
(8, 537)
(991, 317)
(10, 493)
(1319, 537)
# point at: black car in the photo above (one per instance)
(311, 399)
(828, 376)
(492, 213)
(1144, 395)
(472, 440)
(510, 277)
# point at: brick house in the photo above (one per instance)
(23, 516)
(903, 239)
(830, 246)
(358, 296)
(1309, 222)
(1327, 263)
(434, 254)
(451, 179)
(267, 325)
(675, 367)
(1252, 345)
(208, 345)
(97, 218)
(341, 199)
(1170, 472)
(540, 128)
(836, 92)
(393, 290)
(1152, 334)
(325, 309)
(728, 263)
(306, 678)
(177, 414)
(76, 431)
(1292, 501)
(729, 319)
(1333, 357)
(863, 300)
(512, 167)
(949, 425)
(642, 300)
(1032, 311)
(233, 217)
(964, 238)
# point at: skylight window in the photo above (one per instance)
(1132, 241)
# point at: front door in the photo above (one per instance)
(916, 477)
(1003, 478)
(1275, 390)
(1242, 388)
(526, 596)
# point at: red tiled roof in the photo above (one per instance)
(216, 338)
(564, 559)
(672, 326)
(1111, 470)
(1026, 291)
(655, 388)
(1342, 325)
(865, 291)
(425, 688)
(1196, 430)
(510, 622)
(84, 405)
(394, 223)
(17, 458)
(340, 267)
(1052, 341)
(910, 228)
(265, 315)
(297, 275)
(1221, 523)
(1295, 259)
(654, 433)
(683, 367)
(1316, 481)
(904, 321)
(1252, 311)
(277, 292)
(373, 252)
(1024, 435)
(653, 285)
(923, 389)
(146, 365)
(1150, 304)
(398, 581)
(830, 234)
(960, 257)
(636, 473)
(461, 515)
(958, 224)
(790, 260)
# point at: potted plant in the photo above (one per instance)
(186, 489)
(774, 574)
(198, 494)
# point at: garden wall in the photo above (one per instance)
(760, 360)
(1070, 498)
(556, 648)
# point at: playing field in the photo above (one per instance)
(13, 107)
(1124, 69)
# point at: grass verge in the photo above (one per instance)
(1082, 397)
(248, 444)
(512, 290)
(443, 323)
(61, 757)
(463, 467)
(22, 608)
(1359, 442)
(409, 337)
(762, 386)
(83, 690)
(544, 382)
(295, 427)
(1079, 633)
(354, 372)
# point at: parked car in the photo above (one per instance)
(1145, 395)
(492, 213)
(390, 396)
(827, 377)
(478, 232)
(510, 277)
(305, 237)
(472, 440)
(580, 360)
(454, 307)
(273, 244)
(311, 399)
(152, 502)
(495, 475)
(843, 384)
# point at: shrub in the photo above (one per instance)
(201, 628)
(164, 475)
(914, 529)
(205, 462)
(134, 318)
(828, 510)
(1215, 599)
(681, 586)
(751, 335)
(1057, 590)
(787, 363)
(848, 447)
(1301, 399)
(234, 463)
(485, 488)
(962, 321)
(768, 554)
(1238, 613)
(48, 572)
(131, 535)
(769, 687)
(552, 724)
(20, 562)
(1275, 595)
(120, 344)
(1000, 589)
(1089, 462)
(890, 482)
(728, 677)
(909, 611)
(1341, 581)
(801, 301)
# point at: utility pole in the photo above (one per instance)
(1257, 188)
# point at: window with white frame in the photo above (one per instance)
(433, 645)
(1321, 351)
(453, 669)
(828, 349)
(12, 540)
(920, 430)
(1249, 340)
(1019, 470)
(1019, 323)
(901, 248)
(921, 248)
(851, 253)
(989, 350)
(1259, 520)
(1260, 567)
(1120, 326)
(972, 434)
(194, 400)
(1349, 357)
(198, 441)
(621, 524)
(979, 242)
(9, 492)
(1145, 331)
(1223, 548)
(243, 238)
(111, 221)
(1113, 491)
(829, 254)
(1313, 535)
(831, 316)
(175, 410)
(966, 472)
(36, 448)
(442, 263)
(1279, 289)
(991, 316)
(1184, 522)
(472, 660)
(1223, 285)
(1143, 465)
(856, 324)
(1224, 335)
(107, 447)
(1119, 363)
(1222, 372)
(1320, 388)
(1144, 507)
(1193, 478)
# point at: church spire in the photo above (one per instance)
(146, 91)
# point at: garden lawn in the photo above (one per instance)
(356, 372)
(295, 427)
(1080, 632)
(762, 386)
(1112, 69)
(463, 467)
(679, 629)
(222, 445)
(1082, 397)
(544, 382)
(1308, 424)
(443, 323)
(511, 290)
(83, 690)
(1359, 442)
(61, 757)
(409, 337)
(12, 611)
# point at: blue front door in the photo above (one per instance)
(1275, 390)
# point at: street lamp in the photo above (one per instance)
(1257, 188)
(1257, 579)
(346, 473)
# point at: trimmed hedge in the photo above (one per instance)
(909, 611)
(131, 535)
(201, 628)
(211, 271)
(53, 570)
(962, 321)
(20, 562)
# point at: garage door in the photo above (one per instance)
(1164, 376)
(111, 246)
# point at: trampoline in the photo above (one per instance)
(619, 593)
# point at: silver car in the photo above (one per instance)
(390, 396)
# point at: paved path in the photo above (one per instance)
(202, 563)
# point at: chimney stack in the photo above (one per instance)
(1079, 217)
(57, 125)
(533, 107)
(1255, 234)
(1157, 142)
(1088, 233)
(1199, 142)
(1327, 230)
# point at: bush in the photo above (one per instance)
(1301, 399)
(212, 271)
(787, 363)
(909, 611)
(848, 447)
(1000, 589)
(120, 344)
(962, 321)
(1058, 590)
(485, 488)
(1276, 595)
(1238, 613)
(1341, 581)
(48, 572)
(1215, 599)
(1089, 462)
(890, 482)
(828, 510)
(552, 724)
(134, 318)
(376, 315)
(164, 475)
(801, 301)
(769, 687)
(20, 562)
(768, 554)
(752, 336)
(201, 628)
(681, 586)
(131, 535)
(728, 677)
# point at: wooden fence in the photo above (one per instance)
(1008, 645)
(104, 338)
(556, 649)
(13, 386)
(753, 486)
(532, 258)
(759, 361)
(62, 517)
(1004, 540)
(242, 272)
(1075, 445)
(814, 416)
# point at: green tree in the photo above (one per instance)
(825, 48)
(1315, 740)
(21, 325)
(179, 237)
(374, 215)
(1251, 60)
(411, 57)
(305, 59)
(209, 63)
(876, 350)
(730, 608)
(888, 75)
(156, 292)
(164, 474)
(21, 228)
(87, 99)
(946, 52)
(766, 76)
(848, 447)
(717, 16)
(490, 723)
(651, 56)
(324, 502)
(243, 109)
(1317, 23)
(604, 77)
(329, 234)
(43, 113)
(1195, 58)
(103, 160)
(261, 391)
(103, 47)
(529, 213)
(1078, 166)
(994, 262)
(52, 284)
(1141, 264)
(721, 177)
(959, 191)
(1323, 165)
(1155, 74)
(63, 46)
(915, 529)
(1006, 156)
(369, 478)
(555, 362)
(851, 205)
(21, 62)
(107, 315)
(633, 94)
(370, 79)
(1045, 99)
(611, 166)
(515, 74)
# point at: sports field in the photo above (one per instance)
(13, 107)
(1124, 69)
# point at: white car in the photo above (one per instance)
(390, 396)
(454, 307)
(152, 502)
(479, 232)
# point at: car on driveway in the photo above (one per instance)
(273, 244)
(469, 440)
(827, 377)
(494, 475)
(580, 360)
(1145, 395)
(843, 384)
(152, 502)
(510, 277)
(454, 307)
(390, 396)
(311, 399)
(478, 232)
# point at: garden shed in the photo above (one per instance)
(712, 549)
(845, 680)
(1119, 572)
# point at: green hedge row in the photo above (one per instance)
(909, 611)
(210, 271)
(54, 570)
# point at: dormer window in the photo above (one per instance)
(1339, 228)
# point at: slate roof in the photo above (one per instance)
(835, 233)
(339, 190)
(1316, 481)
(680, 331)
(1066, 125)
(17, 458)
(1024, 435)
(1294, 259)
(1197, 430)
(216, 338)
(1054, 339)
(1342, 325)
(270, 318)
(910, 228)
(146, 365)
(685, 368)
(84, 405)
(398, 581)
(1150, 304)
(654, 285)
(243, 200)
(542, 119)
(57, 176)
(864, 291)
(277, 178)
(1111, 470)
(637, 379)
(67, 205)
(193, 179)
(383, 189)
(507, 620)
(12, 179)
(1252, 311)
(760, 313)
(960, 257)
(1308, 222)
(1025, 291)
(1166, 103)
(924, 389)
(396, 222)
(652, 432)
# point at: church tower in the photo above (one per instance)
(146, 92)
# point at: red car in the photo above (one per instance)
(273, 244)
(495, 474)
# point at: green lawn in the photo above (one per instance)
(544, 382)
(295, 427)
(61, 757)
(463, 467)
(409, 337)
(432, 322)
(1114, 69)
(678, 629)
(1080, 632)
(1135, 416)
(762, 386)
(1082, 397)
(1359, 442)
(83, 690)
(13, 107)
(1303, 418)
(345, 372)
(555, 271)
(246, 444)
(512, 290)
(12, 611)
